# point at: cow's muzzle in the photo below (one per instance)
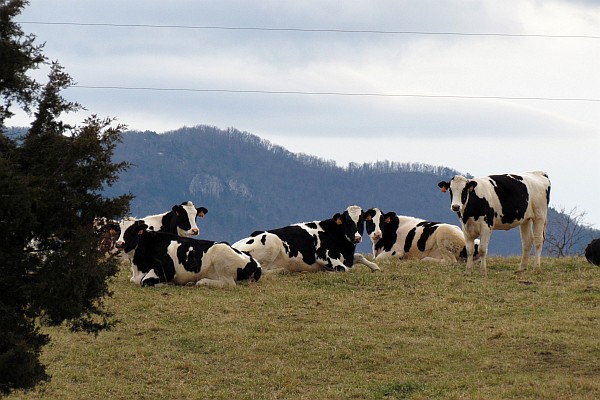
(357, 239)
(455, 207)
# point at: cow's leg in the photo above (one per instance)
(223, 273)
(539, 228)
(394, 253)
(447, 253)
(470, 246)
(484, 241)
(222, 282)
(359, 258)
(526, 242)
(150, 279)
(333, 264)
(432, 260)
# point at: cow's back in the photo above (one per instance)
(517, 197)
(592, 252)
(538, 185)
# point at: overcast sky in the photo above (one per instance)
(450, 93)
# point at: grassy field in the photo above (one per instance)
(414, 331)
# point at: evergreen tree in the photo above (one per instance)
(51, 183)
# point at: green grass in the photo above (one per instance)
(415, 331)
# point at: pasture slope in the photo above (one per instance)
(416, 330)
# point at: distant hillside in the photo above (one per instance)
(248, 183)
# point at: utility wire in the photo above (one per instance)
(354, 31)
(295, 92)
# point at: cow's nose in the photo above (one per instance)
(376, 236)
(195, 231)
(357, 238)
(455, 207)
(119, 245)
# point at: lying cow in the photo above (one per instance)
(327, 245)
(181, 220)
(159, 257)
(501, 202)
(403, 237)
(592, 252)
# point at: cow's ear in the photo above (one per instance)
(201, 211)
(142, 228)
(444, 186)
(471, 185)
(369, 214)
(338, 218)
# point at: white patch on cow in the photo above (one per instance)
(355, 213)
(457, 184)
(191, 211)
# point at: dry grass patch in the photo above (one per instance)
(417, 331)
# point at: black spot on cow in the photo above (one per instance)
(312, 225)
(389, 230)
(428, 229)
(249, 272)
(477, 207)
(513, 196)
(296, 241)
(410, 236)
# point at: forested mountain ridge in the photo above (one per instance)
(249, 184)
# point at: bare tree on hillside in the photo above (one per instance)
(566, 231)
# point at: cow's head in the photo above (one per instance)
(352, 223)
(184, 219)
(131, 236)
(373, 223)
(460, 188)
(123, 225)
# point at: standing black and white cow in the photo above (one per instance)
(159, 257)
(501, 202)
(592, 252)
(402, 237)
(327, 245)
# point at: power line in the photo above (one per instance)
(347, 94)
(309, 30)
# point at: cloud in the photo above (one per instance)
(502, 134)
